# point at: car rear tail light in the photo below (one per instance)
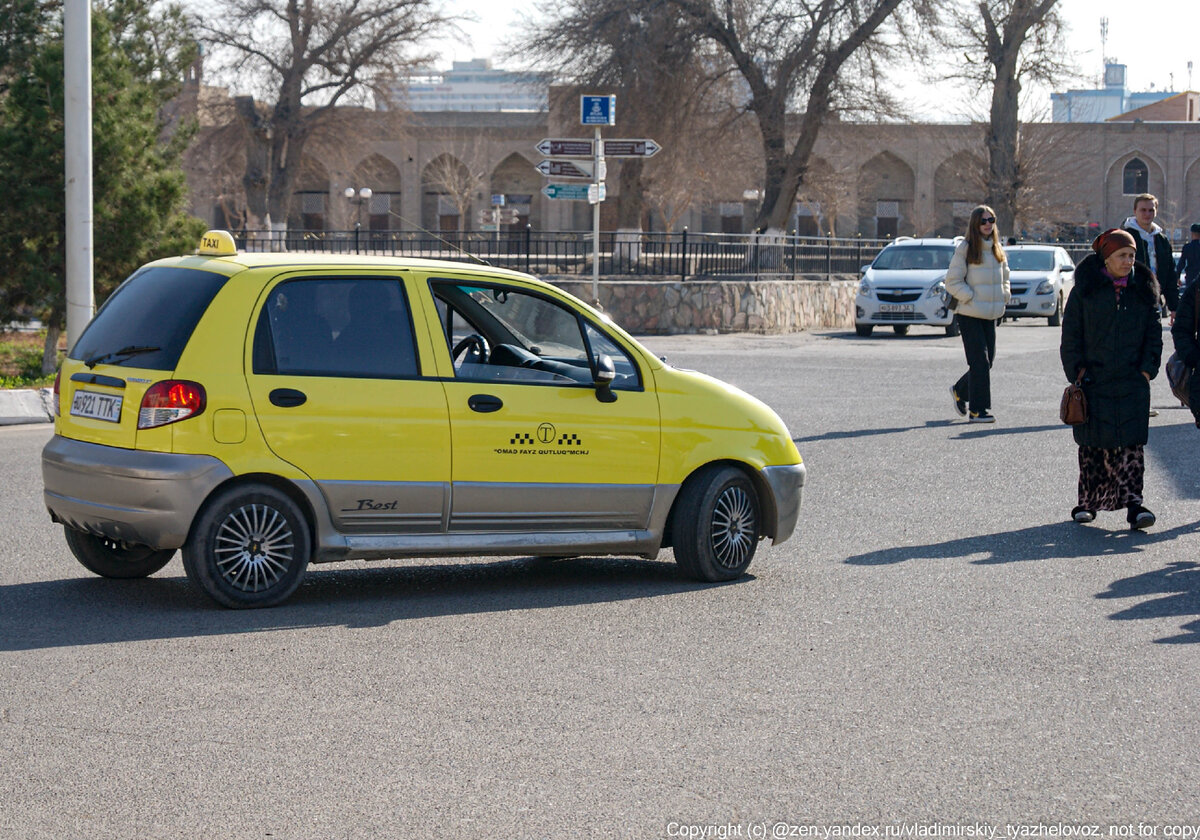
(57, 380)
(171, 401)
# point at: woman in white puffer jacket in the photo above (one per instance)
(978, 281)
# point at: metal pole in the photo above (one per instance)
(597, 154)
(77, 125)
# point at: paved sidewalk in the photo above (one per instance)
(26, 406)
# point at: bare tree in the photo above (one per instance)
(459, 173)
(1005, 44)
(304, 58)
(794, 54)
(665, 81)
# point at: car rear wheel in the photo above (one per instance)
(864, 330)
(717, 522)
(113, 558)
(249, 547)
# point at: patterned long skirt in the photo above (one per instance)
(1110, 479)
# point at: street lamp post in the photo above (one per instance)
(358, 198)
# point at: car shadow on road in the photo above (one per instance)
(1177, 583)
(93, 610)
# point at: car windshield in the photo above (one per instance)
(914, 258)
(1030, 260)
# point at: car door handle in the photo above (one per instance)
(288, 397)
(485, 403)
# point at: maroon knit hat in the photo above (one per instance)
(1113, 240)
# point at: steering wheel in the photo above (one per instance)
(479, 345)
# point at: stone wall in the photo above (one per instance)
(726, 305)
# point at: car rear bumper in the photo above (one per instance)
(148, 498)
(786, 484)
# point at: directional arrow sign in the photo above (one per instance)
(571, 192)
(565, 147)
(631, 148)
(565, 168)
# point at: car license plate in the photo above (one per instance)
(96, 406)
(1016, 304)
(895, 307)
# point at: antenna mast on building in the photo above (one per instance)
(1103, 43)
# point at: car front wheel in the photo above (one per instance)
(249, 547)
(717, 522)
(864, 330)
(113, 558)
(952, 329)
(1055, 320)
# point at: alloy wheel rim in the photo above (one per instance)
(733, 527)
(254, 548)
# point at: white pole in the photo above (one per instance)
(77, 125)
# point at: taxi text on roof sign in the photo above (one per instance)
(217, 243)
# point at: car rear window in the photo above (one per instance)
(914, 258)
(148, 320)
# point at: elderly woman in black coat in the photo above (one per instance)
(1112, 337)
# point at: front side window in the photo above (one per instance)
(354, 327)
(497, 333)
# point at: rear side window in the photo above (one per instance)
(148, 320)
(355, 327)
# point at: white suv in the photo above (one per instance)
(905, 286)
(1041, 278)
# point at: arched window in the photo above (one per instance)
(1136, 178)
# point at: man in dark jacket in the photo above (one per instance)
(1189, 260)
(1153, 247)
(1187, 345)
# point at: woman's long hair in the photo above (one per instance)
(975, 238)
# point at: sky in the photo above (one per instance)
(1154, 38)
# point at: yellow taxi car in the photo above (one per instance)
(264, 411)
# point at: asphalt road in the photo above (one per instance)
(938, 645)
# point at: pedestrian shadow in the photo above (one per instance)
(94, 610)
(1173, 591)
(849, 434)
(1053, 541)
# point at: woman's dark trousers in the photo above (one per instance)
(979, 340)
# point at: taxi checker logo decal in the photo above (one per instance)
(546, 440)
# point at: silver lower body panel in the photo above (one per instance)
(148, 498)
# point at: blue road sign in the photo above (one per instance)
(598, 110)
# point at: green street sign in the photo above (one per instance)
(570, 192)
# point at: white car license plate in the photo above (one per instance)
(896, 307)
(96, 406)
(1016, 304)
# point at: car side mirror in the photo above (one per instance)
(603, 375)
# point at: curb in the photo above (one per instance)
(26, 406)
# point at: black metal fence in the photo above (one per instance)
(666, 256)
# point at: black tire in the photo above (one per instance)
(864, 330)
(113, 558)
(900, 329)
(952, 329)
(249, 547)
(1055, 320)
(716, 524)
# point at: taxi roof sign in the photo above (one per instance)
(217, 243)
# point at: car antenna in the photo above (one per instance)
(461, 250)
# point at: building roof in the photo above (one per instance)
(1179, 107)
